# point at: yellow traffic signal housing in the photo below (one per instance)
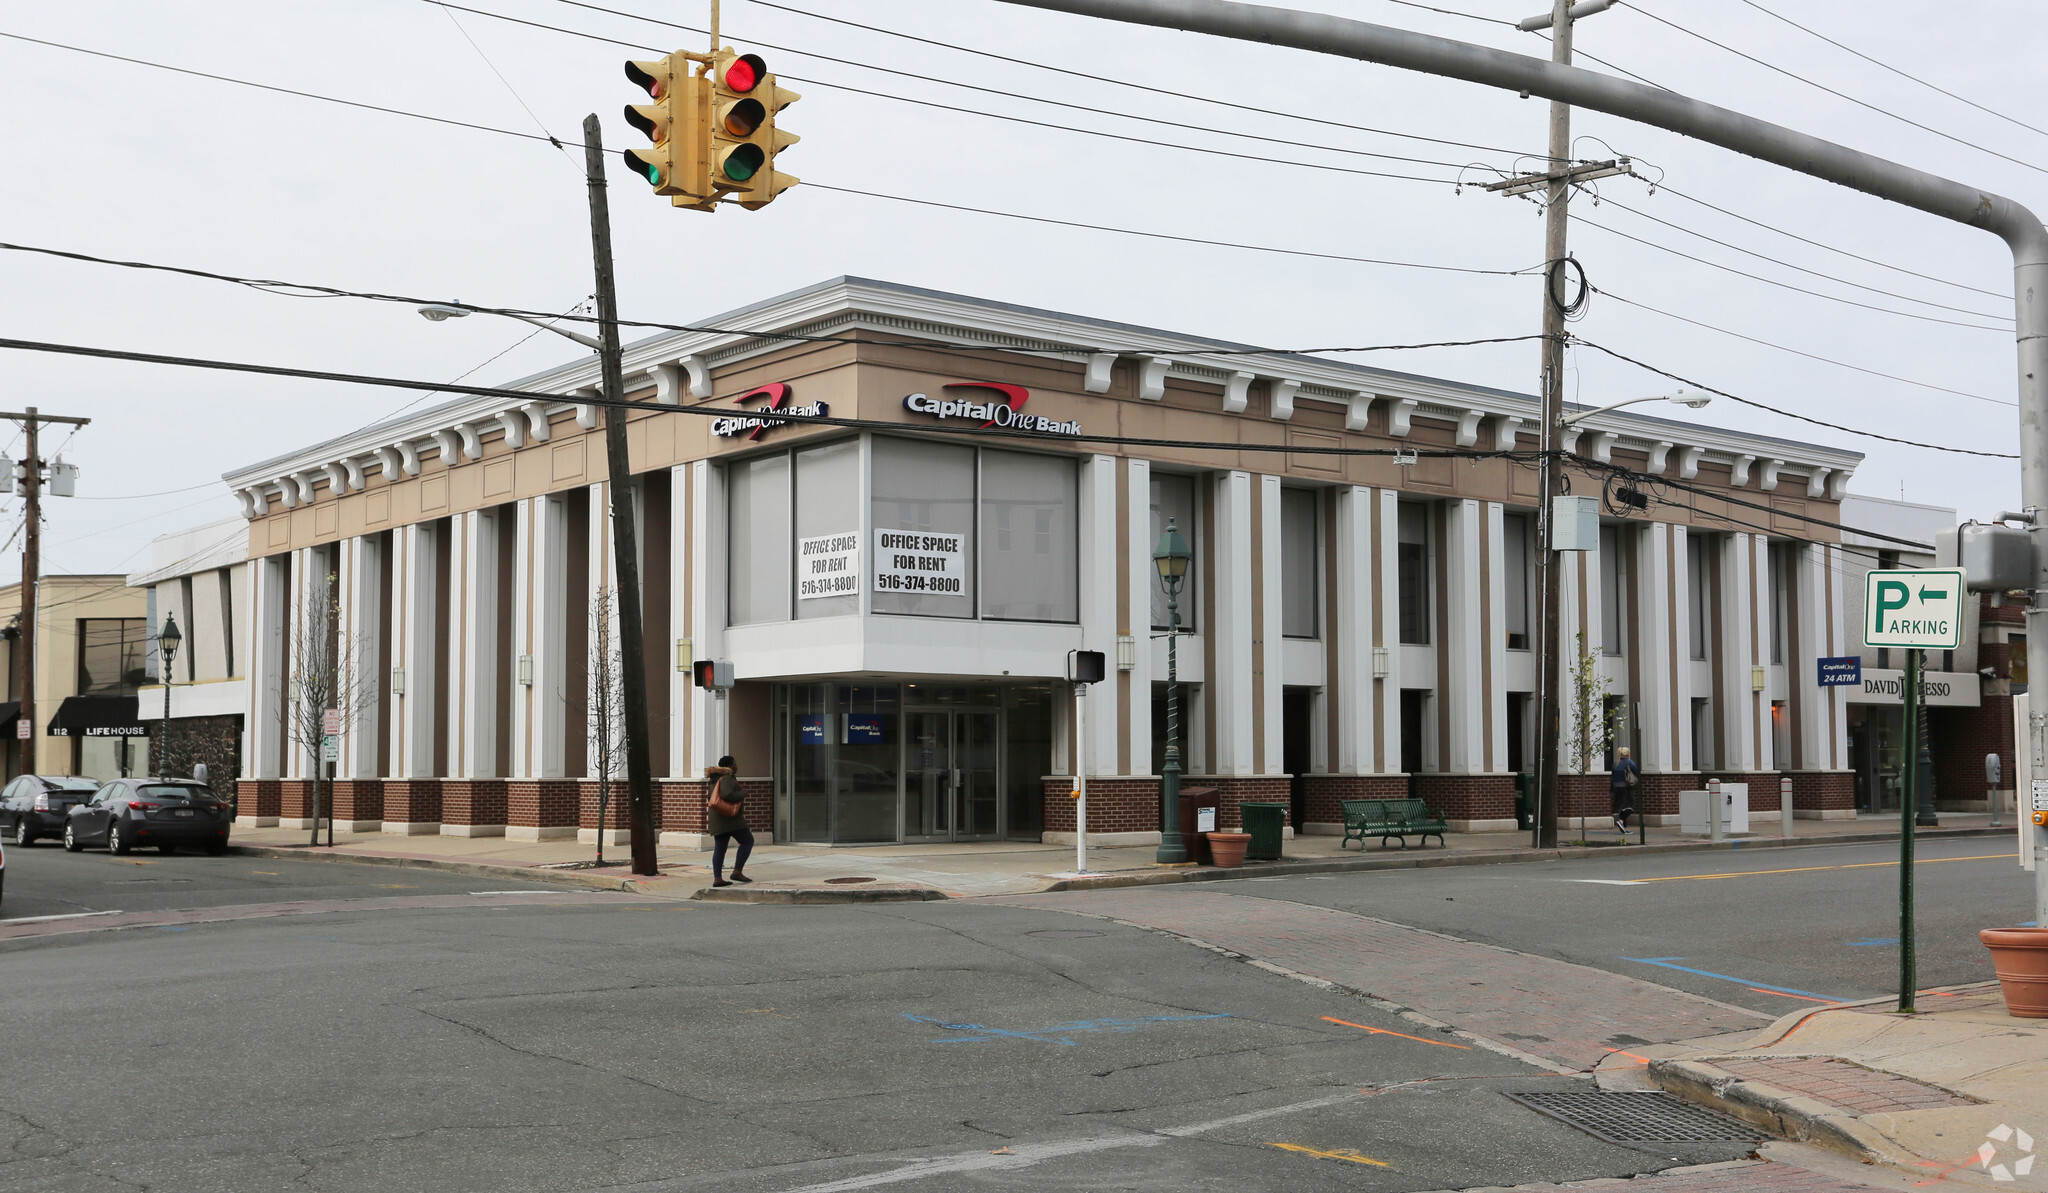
(674, 163)
(743, 138)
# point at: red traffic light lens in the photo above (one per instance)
(744, 72)
(652, 84)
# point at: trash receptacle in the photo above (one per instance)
(1192, 801)
(1266, 823)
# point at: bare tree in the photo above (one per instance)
(326, 672)
(606, 708)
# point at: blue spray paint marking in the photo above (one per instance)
(1055, 1034)
(1707, 973)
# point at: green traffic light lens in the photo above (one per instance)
(642, 167)
(742, 163)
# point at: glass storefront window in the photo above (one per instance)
(1299, 572)
(758, 524)
(1030, 537)
(925, 490)
(1173, 497)
(828, 516)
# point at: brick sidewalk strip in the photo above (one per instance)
(175, 917)
(1570, 1015)
(1740, 1176)
(1841, 1083)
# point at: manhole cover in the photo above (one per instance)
(845, 881)
(1626, 1118)
(1064, 933)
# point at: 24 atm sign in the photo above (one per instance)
(1915, 608)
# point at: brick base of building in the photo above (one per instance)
(257, 802)
(412, 806)
(358, 805)
(1121, 811)
(473, 807)
(1468, 803)
(1325, 796)
(1822, 795)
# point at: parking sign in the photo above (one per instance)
(1915, 608)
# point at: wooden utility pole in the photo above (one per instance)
(31, 570)
(625, 545)
(1557, 179)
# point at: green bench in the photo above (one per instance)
(1384, 818)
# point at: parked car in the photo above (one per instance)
(3, 870)
(34, 806)
(165, 813)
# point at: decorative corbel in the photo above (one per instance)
(254, 503)
(668, 385)
(1838, 483)
(446, 441)
(408, 457)
(354, 468)
(514, 423)
(1468, 427)
(1739, 475)
(1281, 397)
(1660, 453)
(1505, 431)
(304, 481)
(1358, 411)
(387, 459)
(1152, 377)
(1401, 417)
(1568, 440)
(700, 376)
(472, 441)
(586, 417)
(1769, 480)
(1602, 450)
(287, 493)
(337, 478)
(537, 421)
(1689, 462)
(1099, 365)
(1817, 482)
(1237, 393)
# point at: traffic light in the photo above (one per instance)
(744, 140)
(711, 674)
(673, 164)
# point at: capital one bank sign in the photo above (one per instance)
(1002, 406)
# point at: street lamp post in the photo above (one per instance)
(1171, 557)
(167, 640)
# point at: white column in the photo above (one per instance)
(1351, 618)
(523, 571)
(1268, 632)
(1229, 687)
(305, 588)
(1682, 759)
(1465, 639)
(422, 631)
(1744, 748)
(1495, 634)
(1143, 581)
(547, 637)
(480, 678)
(1390, 630)
(362, 569)
(677, 764)
(1098, 608)
(1660, 645)
(266, 668)
(1815, 620)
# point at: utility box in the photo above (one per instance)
(1994, 558)
(1575, 523)
(1692, 811)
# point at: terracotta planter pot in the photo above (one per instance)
(2021, 957)
(1228, 848)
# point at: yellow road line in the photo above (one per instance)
(1342, 1153)
(1924, 861)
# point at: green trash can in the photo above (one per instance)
(1265, 822)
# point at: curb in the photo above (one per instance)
(570, 878)
(1490, 857)
(1782, 1113)
(897, 894)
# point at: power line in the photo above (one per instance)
(1799, 78)
(1800, 352)
(271, 286)
(514, 91)
(1045, 66)
(1801, 268)
(1895, 70)
(1686, 381)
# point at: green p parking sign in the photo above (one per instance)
(1922, 608)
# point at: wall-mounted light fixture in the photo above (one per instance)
(1126, 652)
(526, 670)
(398, 681)
(683, 656)
(1757, 679)
(1379, 662)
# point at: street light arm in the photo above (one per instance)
(589, 342)
(1581, 415)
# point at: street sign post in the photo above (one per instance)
(1921, 608)
(330, 748)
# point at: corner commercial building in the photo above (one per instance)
(899, 602)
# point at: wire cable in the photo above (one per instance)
(1686, 381)
(1799, 78)
(513, 91)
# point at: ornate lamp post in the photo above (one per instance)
(1171, 557)
(167, 640)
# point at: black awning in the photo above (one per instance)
(97, 716)
(10, 712)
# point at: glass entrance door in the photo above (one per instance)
(951, 776)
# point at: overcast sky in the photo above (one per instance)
(125, 161)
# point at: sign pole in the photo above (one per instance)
(1081, 778)
(1908, 793)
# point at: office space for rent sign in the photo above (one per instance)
(916, 562)
(828, 566)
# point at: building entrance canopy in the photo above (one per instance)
(97, 716)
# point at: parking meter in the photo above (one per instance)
(1991, 776)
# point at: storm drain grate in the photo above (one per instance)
(1631, 1118)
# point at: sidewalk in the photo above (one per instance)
(1008, 867)
(1958, 1092)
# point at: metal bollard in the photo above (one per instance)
(1785, 803)
(1714, 821)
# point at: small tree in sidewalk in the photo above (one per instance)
(326, 673)
(607, 704)
(1594, 725)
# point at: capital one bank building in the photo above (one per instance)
(896, 512)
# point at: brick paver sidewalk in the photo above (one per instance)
(1841, 1083)
(1741, 1176)
(1570, 1015)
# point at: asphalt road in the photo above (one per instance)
(1771, 930)
(611, 1042)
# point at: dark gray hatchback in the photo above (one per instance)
(165, 813)
(35, 806)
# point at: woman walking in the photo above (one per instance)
(726, 820)
(1621, 788)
